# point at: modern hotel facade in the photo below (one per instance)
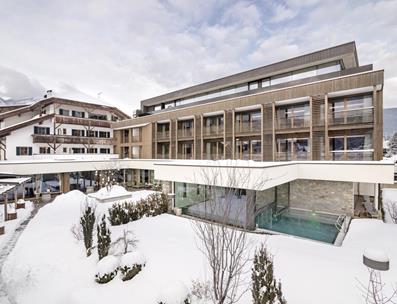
(319, 106)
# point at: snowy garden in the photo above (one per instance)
(141, 254)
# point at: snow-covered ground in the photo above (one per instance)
(49, 265)
(10, 226)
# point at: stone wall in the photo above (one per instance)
(326, 196)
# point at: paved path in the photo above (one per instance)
(5, 251)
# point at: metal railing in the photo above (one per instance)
(213, 130)
(247, 127)
(351, 116)
(163, 135)
(302, 121)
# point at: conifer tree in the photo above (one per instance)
(87, 222)
(103, 234)
(265, 289)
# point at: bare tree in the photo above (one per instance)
(228, 211)
(374, 293)
(126, 242)
(391, 208)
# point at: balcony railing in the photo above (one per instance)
(68, 139)
(185, 133)
(286, 156)
(213, 130)
(163, 156)
(248, 127)
(136, 138)
(302, 121)
(353, 155)
(82, 121)
(247, 156)
(161, 135)
(351, 116)
(185, 156)
(213, 156)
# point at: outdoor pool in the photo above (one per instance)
(306, 224)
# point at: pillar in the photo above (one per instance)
(250, 210)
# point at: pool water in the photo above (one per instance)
(306, 224)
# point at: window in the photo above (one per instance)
(98, 116)
(184, 191)
(78, 114)
(21, 151)
(92, 150)
(265, 82)
(64, 112)
(78, 150)
(44, 150)
(135, 152)
(90, 133)
(136, 134)
(104, 150)
(104, 134)
(42, 130)
(61, 131)
(65, 150)
(337, 144)
(77, 132)
(114, 118)
(253, 85)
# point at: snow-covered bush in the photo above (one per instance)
(131, 264)
(106, 269)
(265, 289)
(103, 236)
(87, 222)
(176, 293)
(154, 204)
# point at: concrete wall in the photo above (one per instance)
(326, 196)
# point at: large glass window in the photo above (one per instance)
(41, 130)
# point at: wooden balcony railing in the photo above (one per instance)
(213, 130)
(163, 156)
(351, 116)
(82, 121)
(68, 139)
(247, 156)
(213, 156)
(185, 156)
(185, 133)
(161, 135)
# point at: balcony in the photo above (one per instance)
(82, 121)
(247, 156)
(351, 116)
(163, 135)
(248, 127)
(184, 156)
(163, 156)
(354, 155)
(213, 131)
(213, 156)
(286, 156)
(68, 139)
(185, 133)
(302, 121)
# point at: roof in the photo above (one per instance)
(14, 180)
(347, 53)
(50, 100)
(9, 129)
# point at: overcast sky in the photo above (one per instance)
(132, 50)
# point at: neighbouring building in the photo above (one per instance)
(57, 126)
(319, 106)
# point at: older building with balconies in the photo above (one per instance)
(57, 126)
(319, 106)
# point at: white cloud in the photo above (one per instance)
(283, 13)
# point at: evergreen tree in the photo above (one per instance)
(393, 144)
(265, 289)
(103, 234)
(87, 222)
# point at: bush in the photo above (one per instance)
(87, 222)
(154, 204)
(131, 264)
(106, 269)
(103, 235)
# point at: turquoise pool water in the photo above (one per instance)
(306, 224)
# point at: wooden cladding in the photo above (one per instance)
(67, 139)
(82, 121)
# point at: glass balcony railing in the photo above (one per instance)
(212, 156)
(185, 133)
(247, 156)
(354, 155)
(163, 156)
(213, 130)
(302, 121)
(248, 127)
(185, 156)
(163, 135)
(351, 116)
(286, 156)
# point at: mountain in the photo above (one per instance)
(389, 121)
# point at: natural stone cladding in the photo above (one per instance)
(326, 196)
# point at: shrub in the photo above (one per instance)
(265, 289)
(131, 264)
(154, 204)
(87, 222)
(103, 234)
(106, 269)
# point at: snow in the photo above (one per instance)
(107, 265)
(10, 226)
(49, 265)
(132, 258)
(376, 255)
(115, 191)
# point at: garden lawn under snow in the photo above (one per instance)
(49, 265)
